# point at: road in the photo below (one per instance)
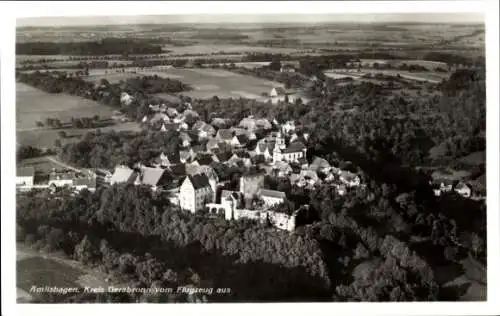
(62, 164)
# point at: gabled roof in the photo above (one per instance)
(62, 176)
(462, 186)
(123, 174)
(25, 171)
(88, 181)
(212, 143)
(151, 176)
(272, 193)
(225, 134)
(243, 139)
(199, 181)
(295, 147)
(198, 125)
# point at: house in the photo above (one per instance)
(282, 169)
(239, 141)
(192, 168)
(263, 124)
(288, 127)
(235, 160)
(265, 149)
(25, 177)
(293, 153)
(123, 174)
(187, 155)
(319, 165)
(172, 112)
(185, 139)
(280, 94)
(60, 179)
(203, 129)
(225, 135)
(153, 177)
(219, 122)
(213, 178)
(248, 123)
(271, 197)
(89, 183)
(170, 127)
(159, 117)
(463, 189)
(287, 68)
(163, 161)
(349, 179)
(195, 192)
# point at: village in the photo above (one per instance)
(280, 151)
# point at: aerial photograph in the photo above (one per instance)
(250, 158)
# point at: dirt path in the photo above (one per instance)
(62, 164)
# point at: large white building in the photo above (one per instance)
(25, 177)
(295, 152)
(195, 192)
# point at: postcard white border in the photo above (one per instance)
(11, 10)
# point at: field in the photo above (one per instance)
(35, 105)
(427, 76)
(217, 82)
(38, 269)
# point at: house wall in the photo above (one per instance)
(250, 185)
(60, 183)
(187, 199)
(24, 181)
(270, 201)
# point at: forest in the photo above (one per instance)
(106, 46)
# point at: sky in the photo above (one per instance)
(264, 18)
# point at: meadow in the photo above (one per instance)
(34, 105)
(208, 82)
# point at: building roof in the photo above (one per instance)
(123, 174)
(295, 147)
(199, 181)
(192, 168)
(212, 143)
(88, 181)
(151, 176)
(272, 193)
(225, 134)
(264, 123)
(243, 139)
(172, 112)
(25, 171)
(348, 176)
(185, 137)
(238, 131)
(62, 176)
(462, 186)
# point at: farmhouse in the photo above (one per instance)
(280, 94)
(195, 192)
(153, 177)
(60, 179)
(123, 174)
(25, 177)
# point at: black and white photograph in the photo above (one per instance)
(325, 157)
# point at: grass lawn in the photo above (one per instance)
(37, 271)
(208, 82)
(36, 105)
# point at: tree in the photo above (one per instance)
(275, 65)
(85, 251)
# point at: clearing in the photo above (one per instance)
(34, 105)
